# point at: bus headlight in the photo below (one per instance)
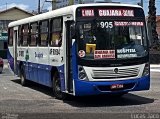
(146, 69)
(81, 73)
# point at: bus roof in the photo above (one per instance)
(64, 11)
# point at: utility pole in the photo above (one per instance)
(142, 3)
(6, 5)
(53, 2)
(39, 9)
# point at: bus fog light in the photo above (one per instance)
(82, 75)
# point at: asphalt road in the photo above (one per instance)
(37, 101)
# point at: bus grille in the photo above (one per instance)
(111, 73)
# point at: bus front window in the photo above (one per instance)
(111, 39)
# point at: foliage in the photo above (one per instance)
(71, 2)
(152, 21)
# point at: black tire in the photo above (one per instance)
(22, 76)
(57, 87)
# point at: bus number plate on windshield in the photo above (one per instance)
(117, 86)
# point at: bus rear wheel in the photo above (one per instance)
(22, 76)
(57, 87)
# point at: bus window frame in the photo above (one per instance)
(32, 34)
(47, 39)
(10, 44)
(20, 36)
(58, 32)
(25, 35)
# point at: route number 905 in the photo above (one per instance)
(106, 24)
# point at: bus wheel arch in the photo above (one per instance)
(56, 84)
(53, 71)
(19, 67)
(22, 74)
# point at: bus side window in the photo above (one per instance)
(56, 32)
(25, 34)
(10, 38)
(19, 35)
(34, 34)
(56, 39)
(44, 33)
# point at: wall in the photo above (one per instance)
(158, 28)
(13, 15)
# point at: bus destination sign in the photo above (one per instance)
(109, 12)
(88, 12)
(116, 12)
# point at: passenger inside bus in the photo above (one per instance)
(90, 40)
(56, 39)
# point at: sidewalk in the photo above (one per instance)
(155, 67)
(5, 63)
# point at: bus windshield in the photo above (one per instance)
(111, 39)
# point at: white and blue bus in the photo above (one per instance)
(85, 49)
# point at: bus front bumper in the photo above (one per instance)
(84, 88)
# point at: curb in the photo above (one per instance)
(155, 70)
(6, 65)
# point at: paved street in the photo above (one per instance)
(37, 99)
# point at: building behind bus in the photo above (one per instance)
(6, 17)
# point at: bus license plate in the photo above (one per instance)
(117, 86)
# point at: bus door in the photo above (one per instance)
(15, 55)
(68, 61)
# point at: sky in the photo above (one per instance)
(31, 5)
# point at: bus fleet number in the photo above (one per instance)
(54, 51)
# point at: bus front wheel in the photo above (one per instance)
(57, 87)
(22, 76)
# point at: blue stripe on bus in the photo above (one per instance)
(10, 60)
(41, 73)
(62, 77)
(83, 88)
(38, 73)
(74, 62)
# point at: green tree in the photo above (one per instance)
(152, 22)
(71, 2)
